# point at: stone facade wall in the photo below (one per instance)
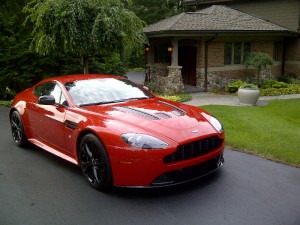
(218, 80)
(168, 79)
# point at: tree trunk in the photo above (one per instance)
(258, 75)
(85, 64)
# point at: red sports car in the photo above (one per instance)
(118, 132)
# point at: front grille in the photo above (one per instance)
(189, 173)
(194, 149)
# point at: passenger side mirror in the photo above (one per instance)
(46, 100)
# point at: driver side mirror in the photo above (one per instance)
(46, 100)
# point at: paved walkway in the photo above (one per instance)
(206, 98)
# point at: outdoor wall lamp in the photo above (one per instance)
(147, 49)
(170, 49)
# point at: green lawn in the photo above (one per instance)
(271, 131)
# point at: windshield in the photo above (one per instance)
(104, 91)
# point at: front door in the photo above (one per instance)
(187, 58)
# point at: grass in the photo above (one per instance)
(271, 131)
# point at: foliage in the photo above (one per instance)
(249, 86)
(181, 97)
(153, 87)
(273, 87)
(5, 103)
(258, 60)
(287, 78)
(290, 89)
(7, 94)
(154, 10)
(83, 28)
(251, 129)
(273, 84)
(234, 86)
(109, 64)
(295, 81)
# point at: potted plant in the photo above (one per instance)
(248, 94)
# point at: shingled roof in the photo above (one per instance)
(216, 18)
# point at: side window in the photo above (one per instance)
(51, 88)
(58, 95)
(44, 89)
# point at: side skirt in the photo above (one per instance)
(53, 151)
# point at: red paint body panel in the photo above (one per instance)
(57, 129)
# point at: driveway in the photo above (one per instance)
(38, 188)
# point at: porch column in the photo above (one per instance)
(174, 82)
(150, 59)
(175, 53)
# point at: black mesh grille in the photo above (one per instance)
(194, 149)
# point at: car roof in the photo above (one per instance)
(76, 77)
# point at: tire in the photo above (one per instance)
(17, 129)
(95, 163)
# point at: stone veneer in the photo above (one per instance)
(168, 79)
(218, 80)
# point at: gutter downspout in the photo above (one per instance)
(283, 56)
(206, 60)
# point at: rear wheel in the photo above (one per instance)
(17, 129)
(94, 163)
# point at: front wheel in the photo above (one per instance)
(17, 129)
(94, 163)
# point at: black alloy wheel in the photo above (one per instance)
(17, 129)
(94, 163)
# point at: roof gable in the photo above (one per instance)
(214, 18)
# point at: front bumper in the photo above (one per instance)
(147, 169)
(189, 174)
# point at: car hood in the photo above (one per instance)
(176, 121)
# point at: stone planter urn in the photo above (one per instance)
(248, 94)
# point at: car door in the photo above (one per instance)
(48, 120)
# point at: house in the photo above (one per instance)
(206, 48)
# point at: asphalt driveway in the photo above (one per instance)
(38, 188)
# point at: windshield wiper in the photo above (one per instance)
(115, 101)
(135, 98)
(102, 103)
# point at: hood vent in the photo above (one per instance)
(163, 115)
(136, 112)
(177, 111)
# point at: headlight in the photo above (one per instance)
(216, 123)
(143, 141)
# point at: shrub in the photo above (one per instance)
(181, 97)
(152, 86)
(273, 84)
(290, 89)
(7, 94)
(295, 81)
(249, 86)
(234, 86)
